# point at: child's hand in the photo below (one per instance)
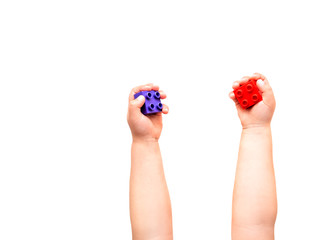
(144, 128)
(261, 113)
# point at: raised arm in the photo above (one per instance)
(254, 207)
(150, 208)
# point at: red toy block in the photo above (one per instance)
(248, 94)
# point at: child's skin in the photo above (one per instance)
(254, 207)
(150, 208)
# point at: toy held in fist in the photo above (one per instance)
(248, 94)
(152, 102)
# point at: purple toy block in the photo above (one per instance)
(152, 103)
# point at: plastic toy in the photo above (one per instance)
(248, 94)
(152, 103)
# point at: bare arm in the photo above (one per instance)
(150, 208)
(254, 208)
(149, 197)
(254, 197)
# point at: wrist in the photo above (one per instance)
(145, 147)
(145, 140)
(256, 129)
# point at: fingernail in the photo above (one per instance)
(260, 82)
(140, 98)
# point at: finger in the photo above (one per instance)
(155, 88)
(266, 92)
(244, 79)
(165, 109)
(136, 104)
(264, 86)
(236, 84)
(145, 87)
(257, 76)
(232, 96)
(234, 99)
(163, 95)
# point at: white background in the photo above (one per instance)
(66, 69)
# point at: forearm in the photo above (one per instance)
(254, 196)
(150, 208)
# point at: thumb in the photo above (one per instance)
(137, 103)
(266, 90)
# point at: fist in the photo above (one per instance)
(145, 127)
(261, 113)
